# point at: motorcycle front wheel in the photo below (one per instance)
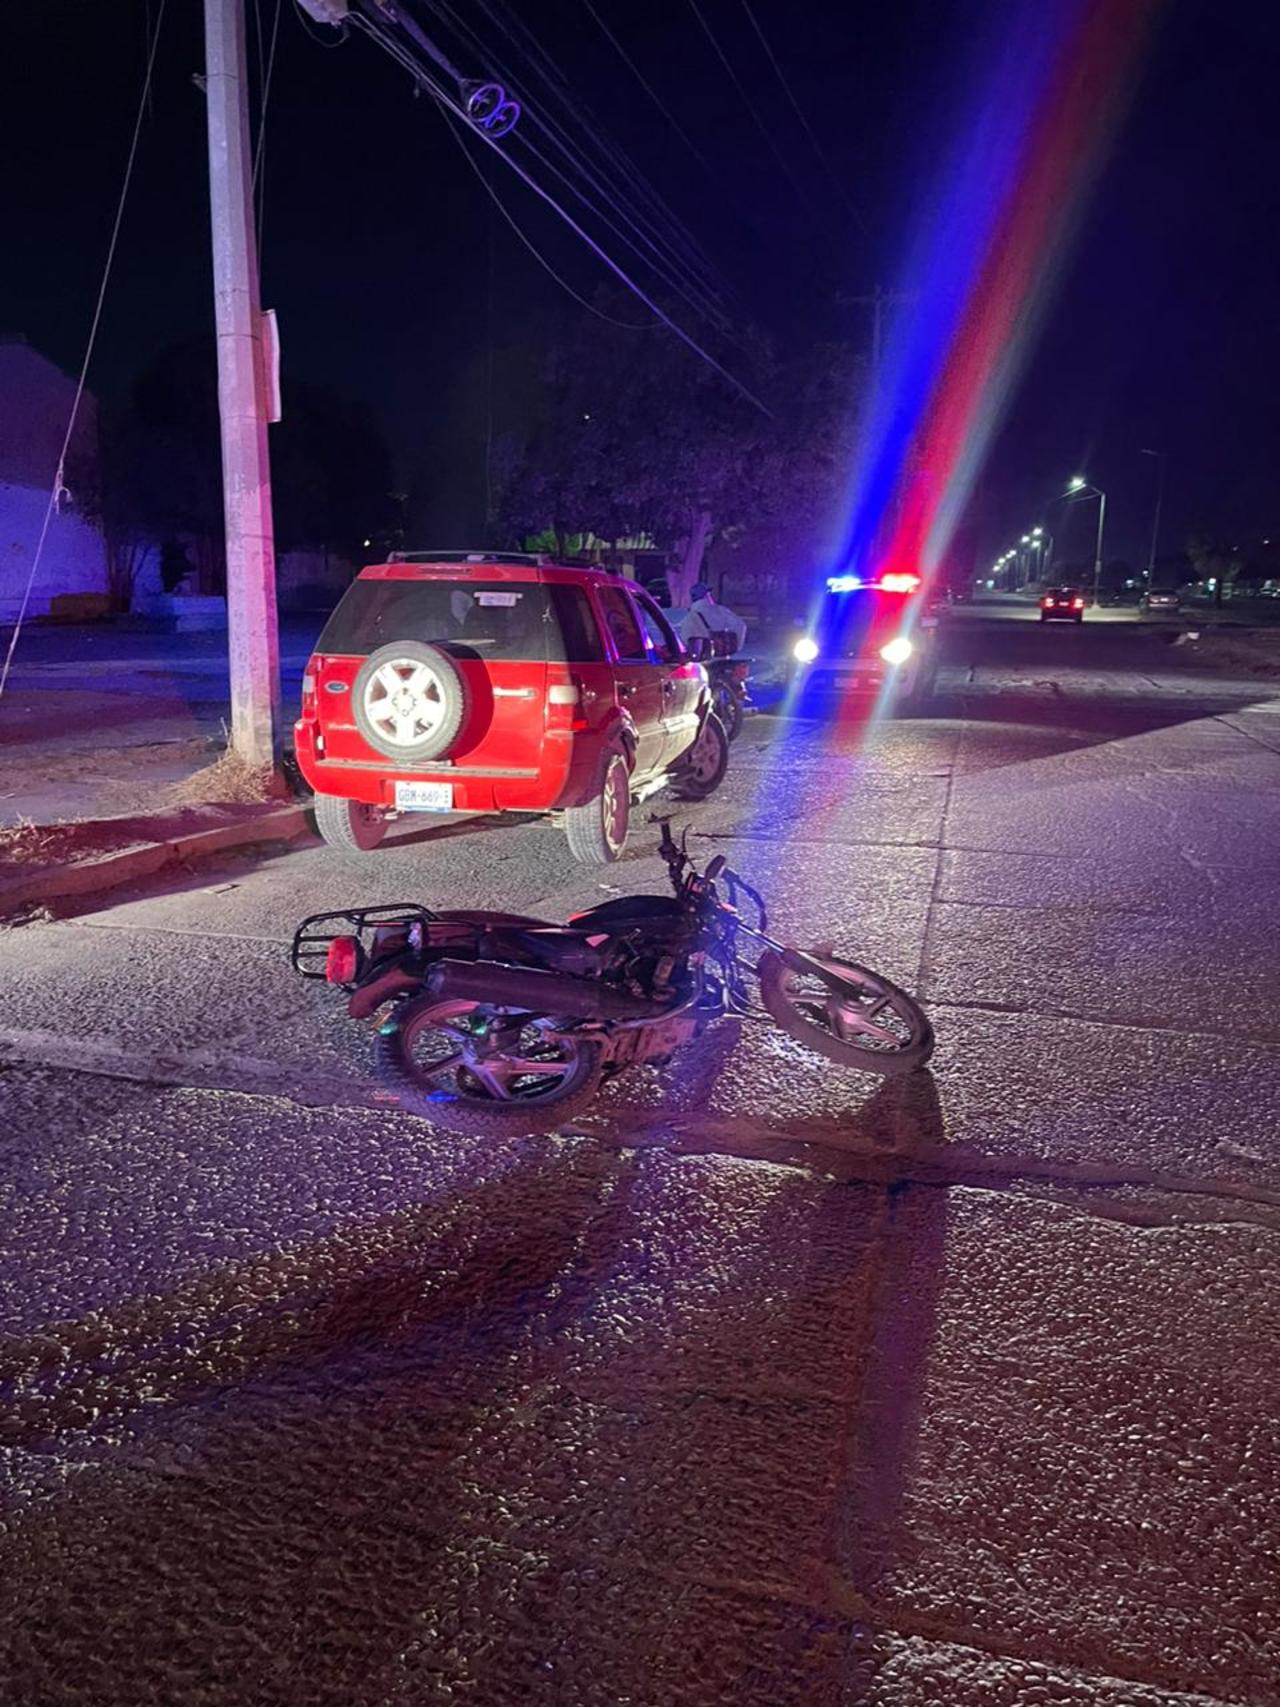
(846, 1012)
(434, 1058)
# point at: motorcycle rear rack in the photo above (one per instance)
(311, 940)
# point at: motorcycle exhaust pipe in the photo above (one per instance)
(536, 991)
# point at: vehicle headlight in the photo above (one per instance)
(805, 650)
(897, 651)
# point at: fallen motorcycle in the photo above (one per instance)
(499, 1023)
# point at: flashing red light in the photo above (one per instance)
(894, 583)
(342, 962)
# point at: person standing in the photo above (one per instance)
(706, 616)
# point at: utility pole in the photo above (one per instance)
(1097, 560)
(877, 302)
(1155, 522)
(242, 402)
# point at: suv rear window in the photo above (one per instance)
(518, 621)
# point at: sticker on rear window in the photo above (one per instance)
(498, 598)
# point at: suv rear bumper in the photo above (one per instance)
(476, 788)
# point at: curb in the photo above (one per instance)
(284, 823)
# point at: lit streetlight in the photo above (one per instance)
(1081, 487)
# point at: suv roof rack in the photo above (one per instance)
(468, 557)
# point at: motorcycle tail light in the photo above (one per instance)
(342, 963)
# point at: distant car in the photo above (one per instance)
(1062, 604)
(469, 682)
(1163, 599)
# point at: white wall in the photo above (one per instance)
(73, 561)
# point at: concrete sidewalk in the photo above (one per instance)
(110, 742)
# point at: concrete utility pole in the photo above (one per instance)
(1097, 560)
(246, 475)
(877, 302)
(1155, 520)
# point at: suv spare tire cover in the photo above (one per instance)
(409, 700)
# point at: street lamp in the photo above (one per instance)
(1081, 487)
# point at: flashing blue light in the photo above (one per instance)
(843, 583)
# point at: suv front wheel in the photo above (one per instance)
(703, 767)
(597, 832)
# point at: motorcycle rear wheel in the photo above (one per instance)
(874, 1027)
(729, 711)
(425, 1056)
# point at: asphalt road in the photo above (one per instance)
(769, 1385)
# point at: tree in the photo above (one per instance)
(330, 472)
(158, 479)
(630, 434)
(1216, 564)
(111, 491)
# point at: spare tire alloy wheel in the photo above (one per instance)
(409, 700)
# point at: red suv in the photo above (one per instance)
(452, 682)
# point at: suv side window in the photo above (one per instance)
(620, 620)
(659, 631)
(579, 631)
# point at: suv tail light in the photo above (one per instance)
(563, 706)
(1078, 604)
(309, 695)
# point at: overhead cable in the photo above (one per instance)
(60, 472)
(389, 43)
(802, 115)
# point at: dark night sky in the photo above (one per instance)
(1163, 330)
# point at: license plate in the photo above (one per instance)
(424, 797)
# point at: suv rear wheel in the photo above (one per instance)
(597, 832)
(409, 700)
(349, 825)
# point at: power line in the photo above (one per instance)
(682, 281)
(422, 77)
(556, 80)
(60, 472)
(320, 38)
(761, 126)
(626, 325)
(258, 188)
(802, 116)
(651, 92)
